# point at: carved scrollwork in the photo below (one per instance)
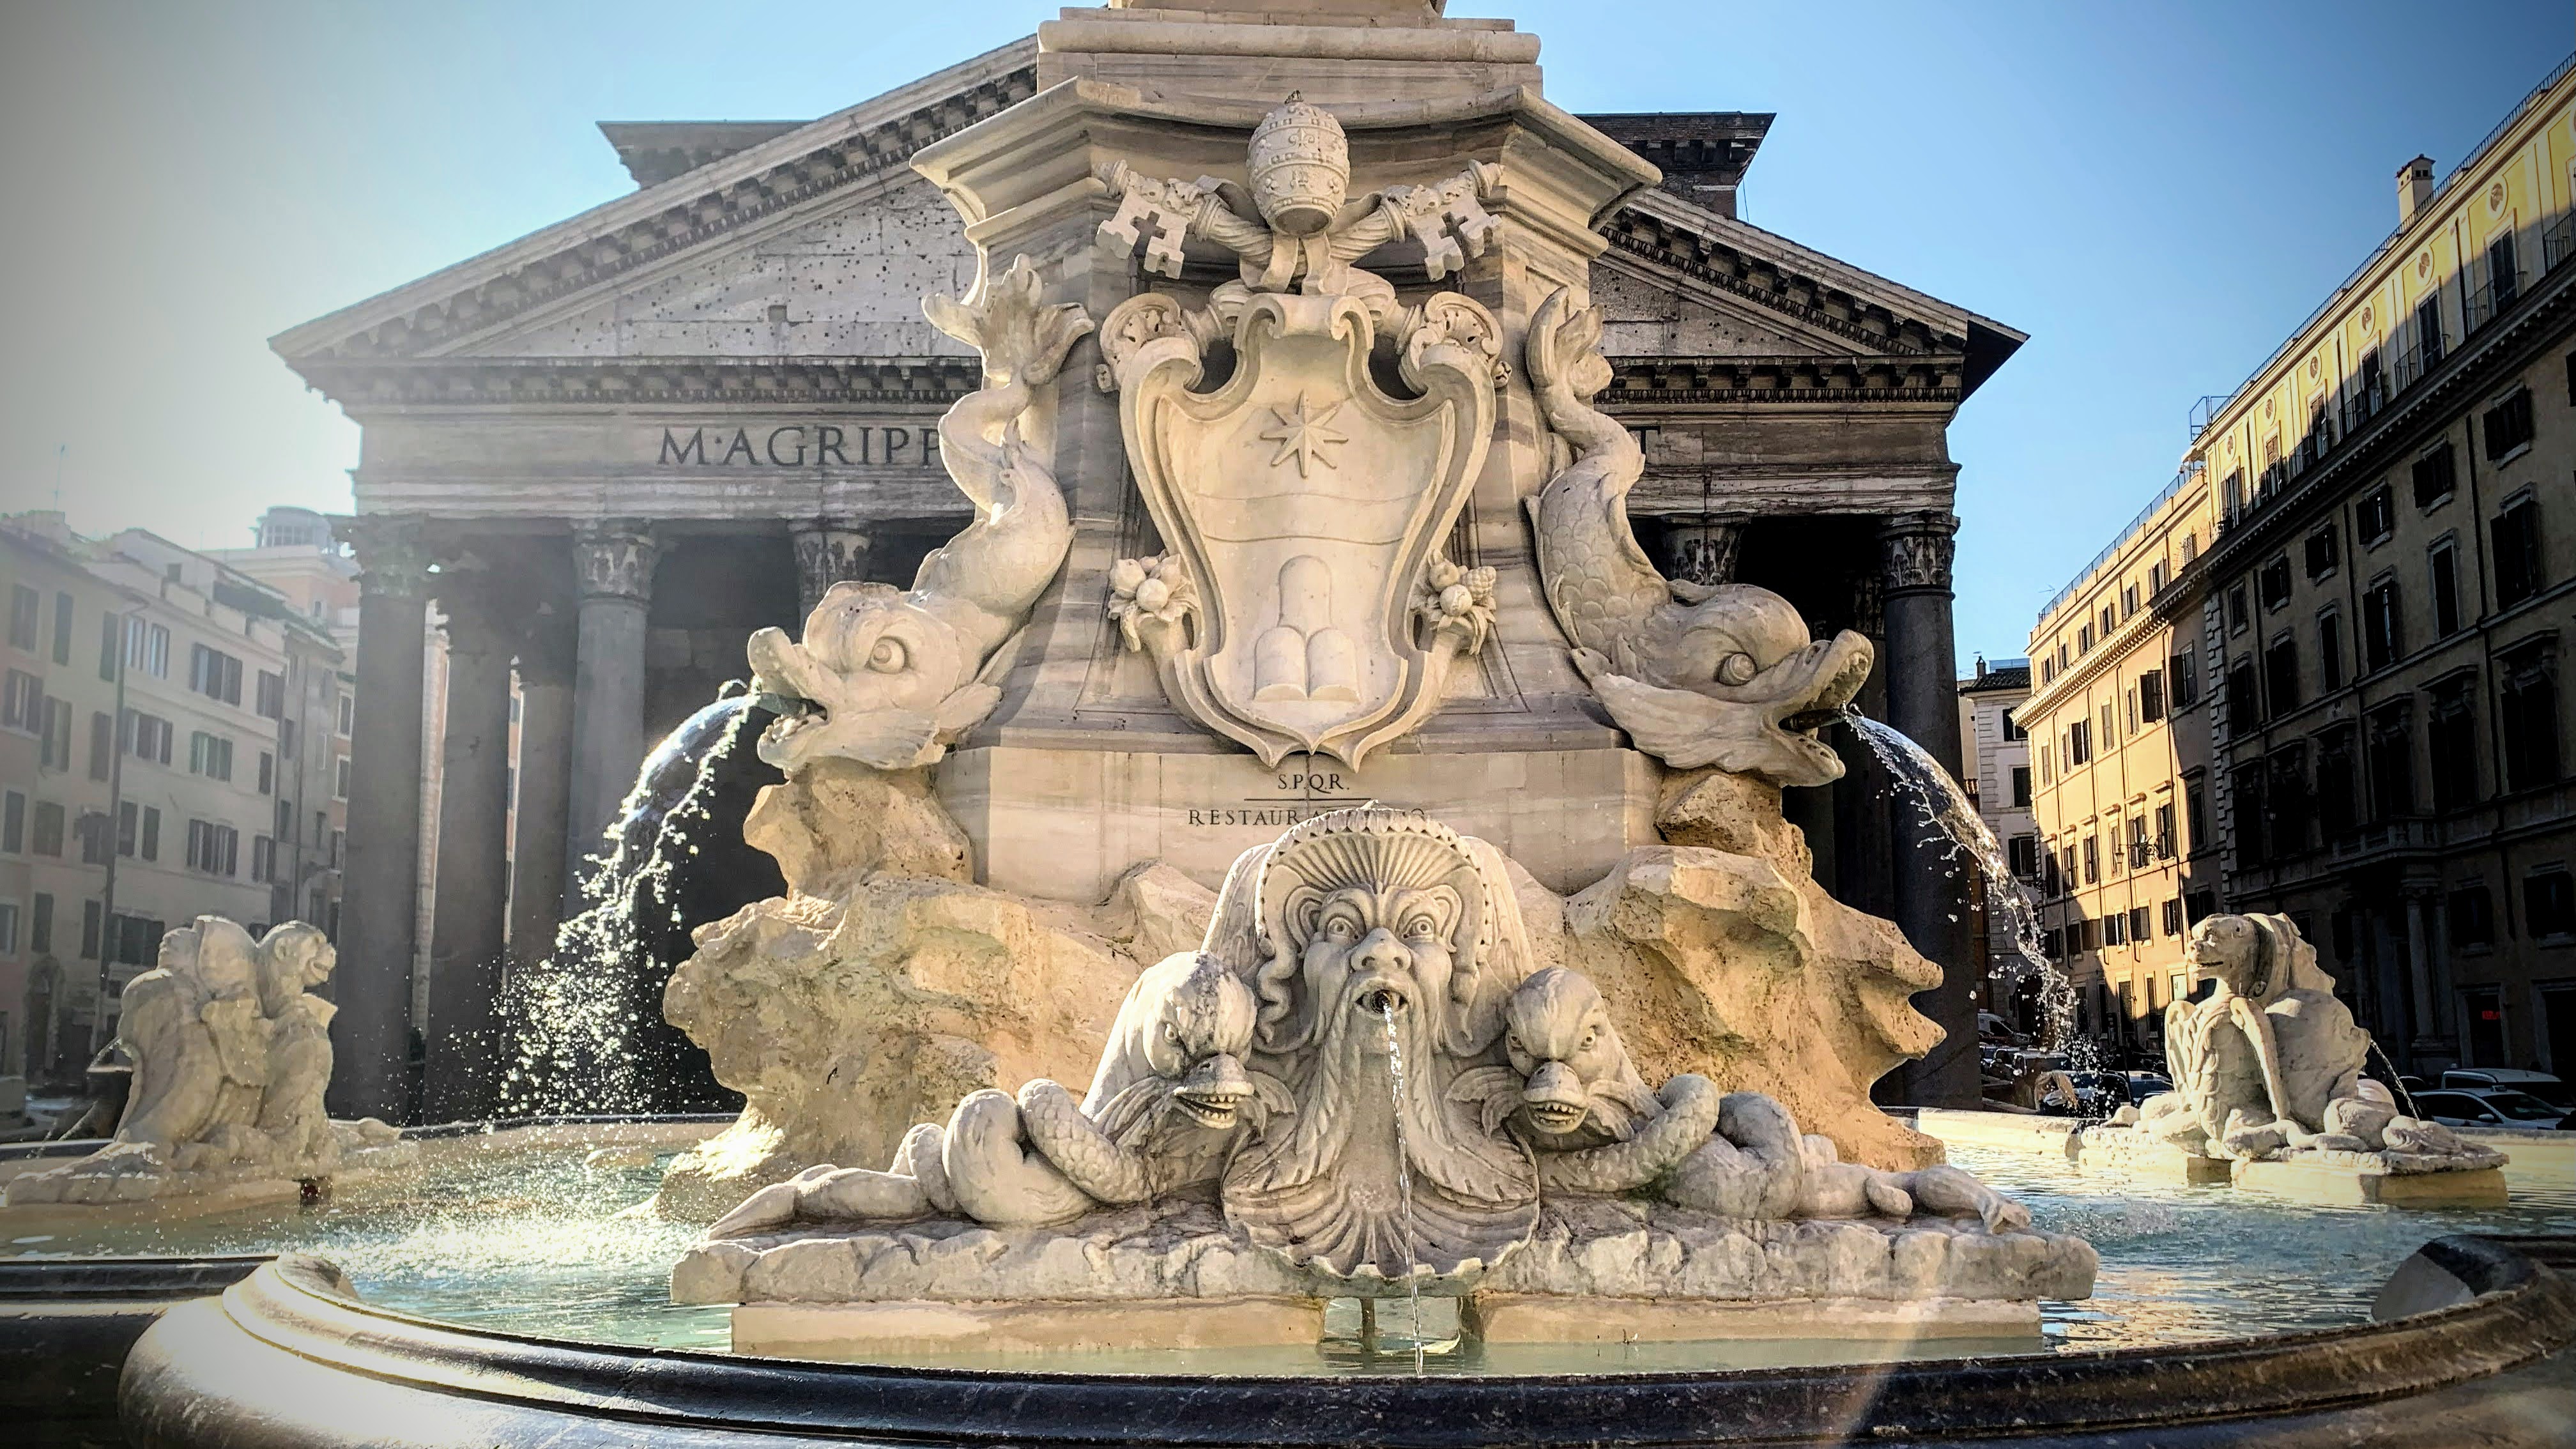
(1915, 551)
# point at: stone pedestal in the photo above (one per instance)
(2125, 1152)
(2343, 1184)
(1066, 824)
(379, 922)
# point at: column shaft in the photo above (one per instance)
(544, 792)
(371, 1034)
(1931, 888)
(615, 563)
(459, 1080)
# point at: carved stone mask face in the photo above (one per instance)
(1385, 952)
(2227, 949)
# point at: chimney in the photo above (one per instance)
(2414, 187)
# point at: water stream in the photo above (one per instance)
(587, 1028)
(1404, 1181)
(1947, 809)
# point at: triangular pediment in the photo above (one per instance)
(1684, 281)
(836, 193)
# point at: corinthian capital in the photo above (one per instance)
(1915, 551)
(614, 558)
(393, 552)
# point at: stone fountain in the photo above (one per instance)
(1383, 1056)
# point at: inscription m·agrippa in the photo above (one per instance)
(802, 445)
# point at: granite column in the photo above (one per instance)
(458, 1079)
(613, 561)
(1931, 887)
(371, 1033)
(544, 790)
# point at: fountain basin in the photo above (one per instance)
(290, 1357)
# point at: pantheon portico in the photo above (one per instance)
(612, 449)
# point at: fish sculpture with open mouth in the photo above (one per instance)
(1698, 675)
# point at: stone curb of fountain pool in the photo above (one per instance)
(286, 1356)
(2536, 1160)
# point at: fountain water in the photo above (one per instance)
(1947, 809)
(1404, 1178)
(587, 1021)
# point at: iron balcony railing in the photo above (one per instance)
(2558, 243)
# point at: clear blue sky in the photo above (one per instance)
(2156, 193)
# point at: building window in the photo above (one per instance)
(272, 695)
(2281, 675)
(2436, 476)
(2128, 601)
(2084, 639)
(138, 831)
(2273, 582)
(2012, 728)
(2021, 787)
(340, 778)
(2428, 333)
(2287, 788)
(2330, 648)
(62, 628)
(2079, 743)
(2185, 674)
(46, 835)
(2236, 611)
(2115, 930)
(210, 756)
(2549, 903)
(348, 713)
(2138, 931)
(2383, 634)
(2092, 859)
(26, 617)
(147, 737)
(2519, 571)
(2374, 517)
(13, 823)
(2022, 852)
(56, 751)
(2450, 731)
(2320, 553)
(2469, 917)
(102, 745)
(2528, 720)
(2336, 783)
(2108, 623)
(214, 674)
(263, 859)
(2441, 563)
(2110, 726)
(2392, 763)
(147, 648)
(212, 848)
(267, 772)
(2166, 845)
(2244, 708)
(22, 706)
(2139, 850)
(2195, 810)
(2246, 783)
(2157, 577)
(2508, 425)
(2151, 696)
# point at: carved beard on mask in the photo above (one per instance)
(1376, 924)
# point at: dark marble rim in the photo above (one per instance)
(2522, 1311)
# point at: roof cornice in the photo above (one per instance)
(864, 141)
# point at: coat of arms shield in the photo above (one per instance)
(1300, 504)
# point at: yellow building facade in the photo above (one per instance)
(2119, 749)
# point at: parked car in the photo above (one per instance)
(2491, 1107)
(2143, 1085)
(2538, 1084)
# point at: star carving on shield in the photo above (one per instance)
(1301, 435)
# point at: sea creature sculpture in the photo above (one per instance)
(1166, 1102)
(1698, 675)
(888, 677)
(1570, 1091)
(2267, 1062)
(231, 1054)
